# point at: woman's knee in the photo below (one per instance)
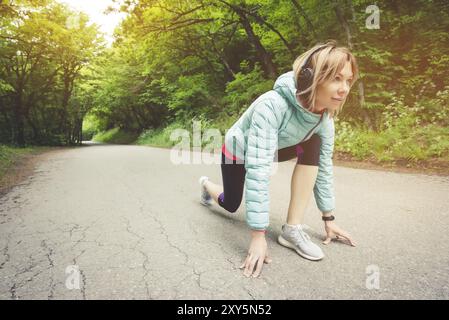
(233, 209)
(234, 205)
(231, 206)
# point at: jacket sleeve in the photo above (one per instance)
(324, 185)
(261, 147)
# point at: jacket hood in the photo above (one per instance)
(285, 85)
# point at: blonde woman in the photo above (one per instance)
(295, 119)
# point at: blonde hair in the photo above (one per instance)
(326, 63)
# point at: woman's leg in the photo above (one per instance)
(230, 195)
(303, 179)
(214, 189)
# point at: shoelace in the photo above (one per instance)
(299, 235)
(305, 235)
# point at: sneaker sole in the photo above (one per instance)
(288, 244)
(206, 203)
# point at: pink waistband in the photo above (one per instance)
(228, 154)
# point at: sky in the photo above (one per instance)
(94, 9)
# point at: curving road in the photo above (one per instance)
(124, 222)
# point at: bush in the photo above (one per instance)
(9, 155)
(91, 126)
(159, 137)
(406, 134)
(241, 92)
(115, 136)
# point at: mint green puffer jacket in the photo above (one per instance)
(274, 121)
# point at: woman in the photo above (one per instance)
(295, 119)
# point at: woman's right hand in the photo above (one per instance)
(257, 255)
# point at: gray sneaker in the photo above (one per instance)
(205, 197)
(294, 237)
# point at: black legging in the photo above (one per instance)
(233, 174)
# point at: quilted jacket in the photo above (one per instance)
(275, 120)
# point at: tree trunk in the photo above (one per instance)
(228, 68)
(80, 131)
(263, 55)
(262, 21)
(19, 139)
(223, 60)
(70, 73)
(36, 133)
(344, 23)
(303, 13)
(9, 124)
(297, 23)
(64, 106)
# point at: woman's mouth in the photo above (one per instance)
(338, 99)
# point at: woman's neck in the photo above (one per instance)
(317, 110)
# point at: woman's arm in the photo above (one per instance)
(324, 185)
(261, 147)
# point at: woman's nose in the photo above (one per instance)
(344, 88)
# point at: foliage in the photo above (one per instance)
(174, 61)
(115, 136)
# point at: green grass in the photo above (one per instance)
(161, 137)
(158, 137)
(403, 142)
(410, 144)
(90, 127)
(11, 155)
(115, 136)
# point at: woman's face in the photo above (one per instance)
(332, 93)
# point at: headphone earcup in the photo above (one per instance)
(305, 79)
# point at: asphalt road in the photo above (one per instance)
(124, 222)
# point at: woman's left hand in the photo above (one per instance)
(335, 232)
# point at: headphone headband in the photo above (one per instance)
(311, 55)
(305, 77)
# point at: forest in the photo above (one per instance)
(175, 62)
